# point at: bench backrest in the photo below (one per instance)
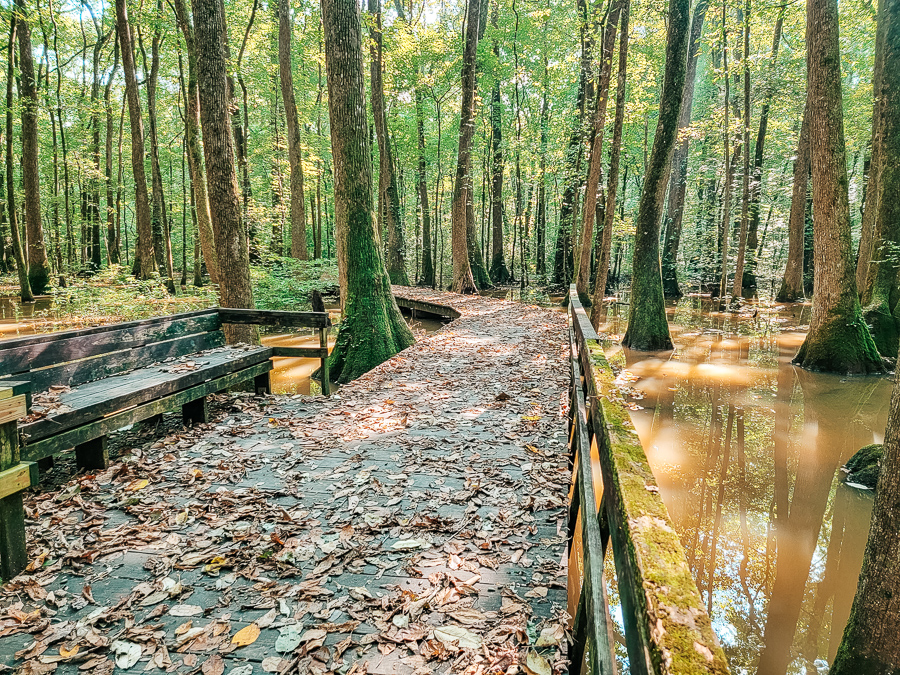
(73, 357)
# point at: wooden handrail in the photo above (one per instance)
(667, 628)
(275, 317)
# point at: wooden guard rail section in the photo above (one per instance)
(108, 377)
(667, 629)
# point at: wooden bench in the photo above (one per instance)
(69, 390)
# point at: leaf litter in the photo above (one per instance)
(412, 523)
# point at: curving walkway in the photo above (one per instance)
(414, 522)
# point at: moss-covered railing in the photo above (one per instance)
(615, 501)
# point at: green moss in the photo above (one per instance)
(841, 343)
(882, 327)
(865, 466)
(671, 613)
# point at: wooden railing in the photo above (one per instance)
(320, 321)
(615, 502)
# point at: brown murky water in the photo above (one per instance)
(747, 450)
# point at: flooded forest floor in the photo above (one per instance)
(419, 510)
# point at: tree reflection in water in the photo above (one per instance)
(746, 449)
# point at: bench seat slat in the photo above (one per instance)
(103, 397)
(112, 363)
(96, 428)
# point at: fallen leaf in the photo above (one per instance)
(186, 610)
(136, 485)
(551, 635)
(246, 635)
(456, 636)
(408, 544)
(535, 664)
(214, 665)
(127, 653)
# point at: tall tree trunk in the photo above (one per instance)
(595, 170)
(373, 330)
(609, 211)
(389, 195)
(499, 272)
(745, 174)
(880, 293)
(563, 260)
(463, 281)
(873, 182)
(792, 283)
(540, 218)
(427, 278)
(725, 226)
(211, 36)
(678, 174)
(92, 198)
(144, 249)
(18, 249)
(647, 325)
(112, 242)
(295, 150)
(162, 240)
(870, 642)
(838, 339)
(194, 147)
(750, 282)
(38, 264)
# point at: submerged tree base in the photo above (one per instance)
(883, 327)
(373, 330)
(841, 344)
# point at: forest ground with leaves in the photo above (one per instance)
(415, 522)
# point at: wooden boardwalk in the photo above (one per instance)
(412, 523)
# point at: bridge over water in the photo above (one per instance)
(417, 521)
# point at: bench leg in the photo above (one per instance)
(13, 557)
(92, 454)
(46, 463)
(194, 412)
(262, 385)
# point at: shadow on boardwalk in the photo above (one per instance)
(412, 523)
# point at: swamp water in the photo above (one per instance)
(747, 451)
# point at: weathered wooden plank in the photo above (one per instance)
(15, 479)
(300, 352)
(124, 391)
(12, 409)
(443, 311)
(56, 348)
(324, 375)
(271, 317)
(13, 556)
(667, 627)
(110, 423)
(112, 363)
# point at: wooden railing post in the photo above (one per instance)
(323, 373)
(14, 477)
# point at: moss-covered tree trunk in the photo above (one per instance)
(609, 211)
(648, 328)
(299, 249)
(880, 293)
(792, 282)
(144, 260)
(838, 339)
(595, 165)
(373, 330)
(219, 151)
(36, 252)
(463, 281)
(870, 643)
(873, 176)
(678, 173)
(194, 147)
